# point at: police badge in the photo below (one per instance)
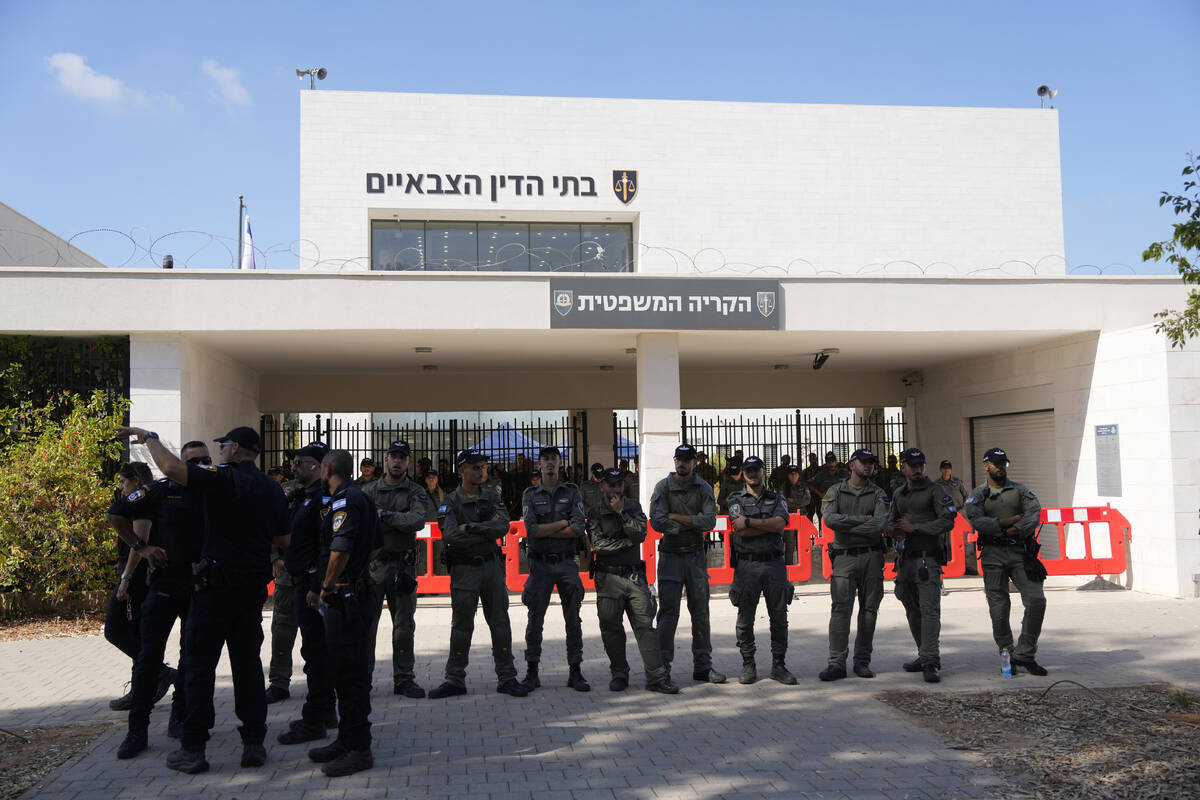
(766, 303)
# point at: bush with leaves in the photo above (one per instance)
(54, 534)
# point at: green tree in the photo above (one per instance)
(54, 533)
(1182, 250)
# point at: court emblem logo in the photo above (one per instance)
(564, 301)
(766, 303)
(625, 185)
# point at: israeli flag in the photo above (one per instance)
(247, 247)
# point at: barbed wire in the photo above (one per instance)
(196, 247)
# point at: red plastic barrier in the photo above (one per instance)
(956, 567)
(1120, 533)
(514, 577)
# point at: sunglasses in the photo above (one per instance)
(199, 460)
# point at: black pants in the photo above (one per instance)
(543, 578)
(768, 579)
(346, 626)
(123, 620)
(315, 652)
(166, 600)
(227, 616)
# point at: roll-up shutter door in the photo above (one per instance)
(1029, 441)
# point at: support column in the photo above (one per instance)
(156, 386)
(658, 408)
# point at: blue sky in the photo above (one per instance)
(152, 117)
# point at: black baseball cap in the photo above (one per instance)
(399, 446)
(912, 455)
(996, 455)
(753, 462)
(685, 452)
(612, 475)
(316, 450)
(367, 462)
(469, 456)
(549, 450)
(793, 468)
(862, 455)
(598, 469)
(945, 463)
(830, 456)
(243, 437)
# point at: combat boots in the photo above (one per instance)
(749, 672)
(531, 681)
(576, 680)
(780, 673)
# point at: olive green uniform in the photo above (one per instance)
(1003, 558)
(759, 571)
(621, 588)
(402, 512)
(856, 562)
(470, 525)
(553, 565)
(919, 566)
(681, 564)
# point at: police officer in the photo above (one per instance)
(731, 481)
(169, 517)
(349, 534)
(857, 511)
(824, 478)
(795, 491)
(617, 528)
(1006, 516)
(890, 478)
(283, 627)
(920, 518)
(758, 516)
(244, 514)
(301, 562)
(590, 489)
(953, 486)
(554, 528)
(683, 510)
(472, 519)
(402, 508)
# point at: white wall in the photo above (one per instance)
(219, 393)
(802, 187)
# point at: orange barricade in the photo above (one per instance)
(514, 578)
(1103, 528)
(429, 582)
(954, 568)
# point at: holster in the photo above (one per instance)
(405, 583)
(1035, 570)
(832, 555)
(208, 574)
(592, 567)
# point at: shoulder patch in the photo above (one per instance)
(338, 518)
(442, 508)
(137, 495)
(340, 503)
(208, 467)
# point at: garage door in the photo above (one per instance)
(1029, 441)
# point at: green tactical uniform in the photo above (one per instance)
(283, 625)
(1002, 558)
(621, 588)
(470, 527)
(681, 564)
(856, 562)
(759, 571)
(402, 512)
(553, 564)
(919, 568)
(589, 490)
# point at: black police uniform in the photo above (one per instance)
(552, 564)
(301, 560)
(759, 570)
(350, 526)
(178, 515)
(243, 511)
(123, 619)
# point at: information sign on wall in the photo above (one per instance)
(1108, 461)
(666, 304)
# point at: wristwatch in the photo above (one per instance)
(151, 435)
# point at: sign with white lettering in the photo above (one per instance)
(666, 304)
(1108, 461)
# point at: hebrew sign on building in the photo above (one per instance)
(666, 304)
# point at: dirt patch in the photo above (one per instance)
(52, 627)
(1136, 742)
(31, 755)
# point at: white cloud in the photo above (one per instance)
(77, 79)
(226, 84)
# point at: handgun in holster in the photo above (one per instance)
(592, 567)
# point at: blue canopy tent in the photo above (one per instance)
(626, 448)
(506, 442)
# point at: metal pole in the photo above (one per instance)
(237, 258)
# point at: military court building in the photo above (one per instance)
(600, 254)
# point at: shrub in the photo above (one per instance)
(54, 535)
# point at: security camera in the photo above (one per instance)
(821, 357)
(913, 378)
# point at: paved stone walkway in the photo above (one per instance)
(731, 741)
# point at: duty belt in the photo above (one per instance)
(623, 570)
(988, 539)
(745, 556)
(550, 558)
(408, 557)
(855, 551)
(682, 551)
(457, 560)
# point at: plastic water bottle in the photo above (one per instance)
(1005, 663)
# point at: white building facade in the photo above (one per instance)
(660, 255)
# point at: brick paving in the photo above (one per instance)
(811, 740)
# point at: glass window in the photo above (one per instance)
(504, 246)
(397, 245)
(605, 248)
(450, 246)
(554, 248)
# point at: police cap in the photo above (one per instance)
(912, 455)
(830, 456)
(314, 450)
(863, 456)
(753, 462)
(399, 446)
(469, 456)
(996, 455)
(243, 437)
(549, 450)
(612, 475)
(598, 469)
(685, 452)
(945, 463)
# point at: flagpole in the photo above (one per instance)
(241, 208)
